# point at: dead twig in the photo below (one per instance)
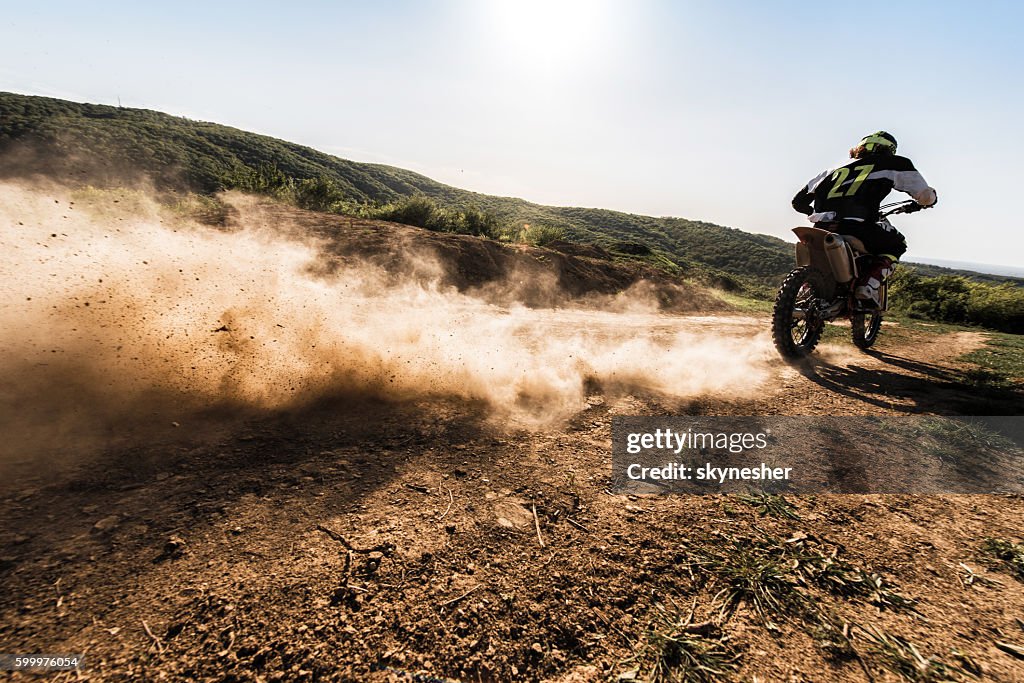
(863, 666)
(385, 549)
(536, 524)
(60, 598)
(1011, 649)
(629, 641)
(461, 597)
(334, 535)
(156, 641)
(347, 569)
(451, 500)
(576, 524)
(704, 629)
(693, 609)
(231, 643)
(969, 578)
(442, 626)
(400, 442)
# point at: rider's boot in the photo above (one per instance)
(870, 283)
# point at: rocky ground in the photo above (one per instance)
(370, 540)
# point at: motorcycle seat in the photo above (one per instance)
(857, 245)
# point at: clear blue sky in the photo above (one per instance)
(708, 110)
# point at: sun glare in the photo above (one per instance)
(550, 34)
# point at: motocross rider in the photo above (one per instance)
(848, 196)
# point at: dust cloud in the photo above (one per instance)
(118, 310)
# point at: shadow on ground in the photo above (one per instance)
(914, 387)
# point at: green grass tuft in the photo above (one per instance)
(903, 658)
(677, 651)
(1007, 554)
(770, 505)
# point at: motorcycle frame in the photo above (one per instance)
(810, 251)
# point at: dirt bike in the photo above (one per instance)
(821, 289)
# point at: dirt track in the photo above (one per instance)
(200, 557)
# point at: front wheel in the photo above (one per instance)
(796, 320)
(865, 327)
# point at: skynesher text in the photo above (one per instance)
(707, 472)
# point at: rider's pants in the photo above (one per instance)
(880, 238)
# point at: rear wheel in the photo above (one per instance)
(865, 327)
(796, 319)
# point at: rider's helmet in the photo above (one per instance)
(879, 142)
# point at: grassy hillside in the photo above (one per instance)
(108, 144)
(112, 144)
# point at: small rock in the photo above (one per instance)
(89, 509)
(163, 475)
(174, 548)
(536, 647)
(106, 524)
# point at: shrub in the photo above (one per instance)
(419, 211)
(318, 194)
(540, 235)
(424, 212)
(955, 299)
(997, 306)
(477, 222)
(265, 178)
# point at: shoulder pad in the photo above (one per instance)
(899, 163)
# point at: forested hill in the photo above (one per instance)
(112, 144)
(107, 144)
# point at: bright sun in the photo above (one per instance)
(550, 33)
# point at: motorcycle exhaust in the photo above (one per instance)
(838, 255)
(803, 254)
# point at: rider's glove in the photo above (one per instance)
(911, 208)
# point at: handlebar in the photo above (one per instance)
(898, 207)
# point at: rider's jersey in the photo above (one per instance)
(855, 189)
